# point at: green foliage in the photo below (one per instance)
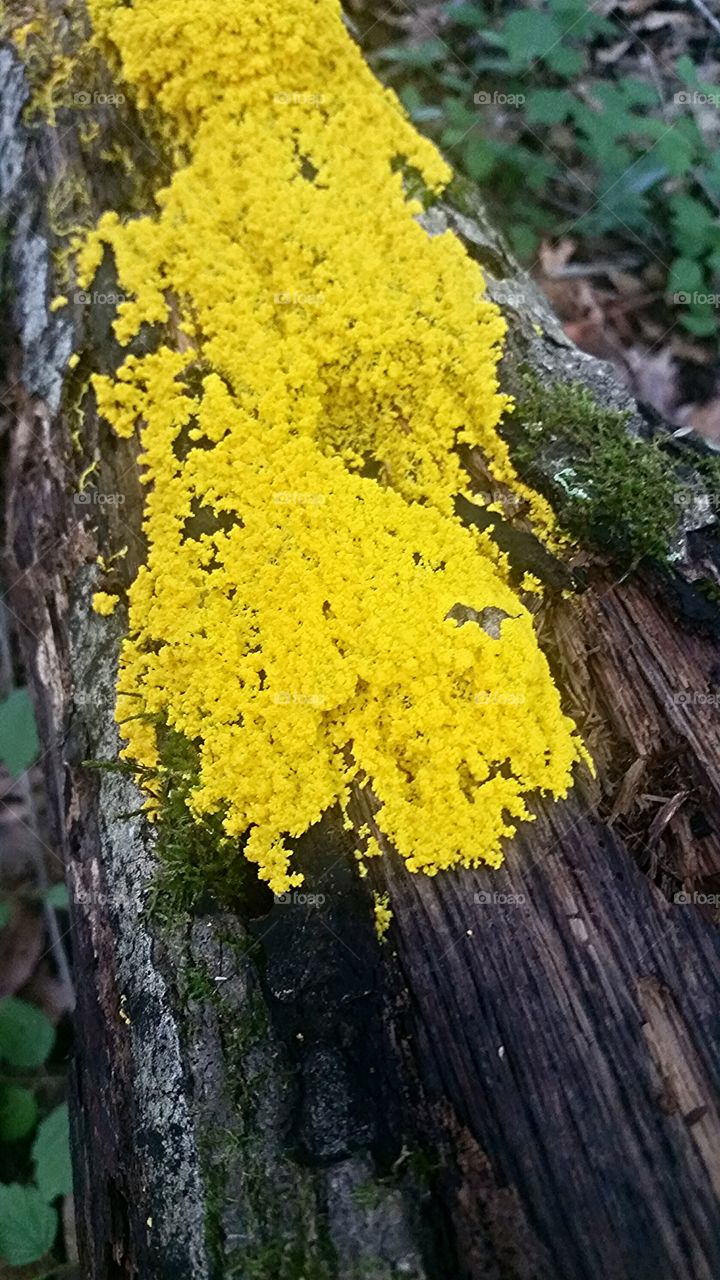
(18, 1112)
(18, 732)
(617, 492)
(26, 1035)
(58, 897)
(197, 859)
(28, 1218)
(494, 91)
(28, 1224)
(51, 1155)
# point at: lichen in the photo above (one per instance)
(293, 620)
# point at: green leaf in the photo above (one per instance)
(18, 732)
(638, 93)
(548, 106)
(677, 151)
(565, 62)
(686, 71)
(524, 241)
(478, 158)
(18, 1112)
(28, 1225)
(702, 322)
(57, 896)
(26, 1035)
(530, 34)
(467, 15)
(685, 277)
(4, 914)
(51, 1154)
(694, 224)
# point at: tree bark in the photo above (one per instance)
(522, 1082)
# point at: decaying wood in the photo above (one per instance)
(523, 1081)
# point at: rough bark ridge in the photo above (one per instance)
(523, 1081)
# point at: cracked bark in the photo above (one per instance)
(523, 1082)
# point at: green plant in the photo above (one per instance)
(28, 1215)
(18, 732)
(40, 1147)
(518, 104)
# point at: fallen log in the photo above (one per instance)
(521, 1080)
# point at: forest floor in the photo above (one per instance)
(593, 131)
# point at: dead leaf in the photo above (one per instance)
(705, 419)
(22, 943)
(554, 256)
(654, 380)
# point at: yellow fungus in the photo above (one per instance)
(383, 914)
(104, 604)
(292, 618)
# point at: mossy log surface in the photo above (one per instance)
(522, 1081)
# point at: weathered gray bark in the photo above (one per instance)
(523, 1088)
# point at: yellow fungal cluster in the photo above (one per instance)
(298, 440)
(104, 604)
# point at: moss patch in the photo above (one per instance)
(614, 491)
(197, 860)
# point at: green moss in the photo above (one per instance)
(283, 1260)
(368, 1195)
(615, 492)
(197, 860)
(709, 469)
